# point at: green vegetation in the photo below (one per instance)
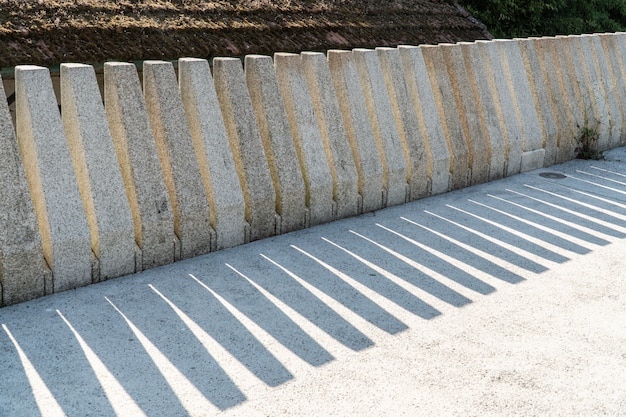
(524, 18)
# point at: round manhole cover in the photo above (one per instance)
(552, 175)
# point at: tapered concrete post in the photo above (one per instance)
(421, 93)
(307, 137)
(449, 116)
(515, 73)
(190, 205)
(540, 96)
(474, 130)
(615, 52)
(587, 88)
(23, 271)
(247, 147)
(278, 144)
(97, 171)
(60, 214)
(506, 108)
(568, 97)
(358, 128)
(139, 162)
(212, 149)
(333, 134)
(394, 160)
(609, 109)
(406, 120)
(482, 83)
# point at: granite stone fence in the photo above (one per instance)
(131, 174)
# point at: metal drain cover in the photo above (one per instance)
(553, 175)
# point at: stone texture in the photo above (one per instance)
(212, 149)
(306, 136)
(467, 103)
(540, 96)
(563, 119)
(614, 47)
(60, 214)
(449, 116)
(333, 134)
(566, 96)
(393, 158)
(358, 128)
(505, 105)
(519, 86)
(247, 147)
(407, 123)
(421, 93)
(587, 88)
(22, 266)
(482, 84)
(609, 102)
(190, 205)
(283, 161)
(97, 172)
(532, 160)
(139, 162)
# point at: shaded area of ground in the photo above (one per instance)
(48, 32)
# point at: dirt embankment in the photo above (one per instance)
(48, 32)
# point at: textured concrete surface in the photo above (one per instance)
(395, 180)
(97, 172)
(611, 42)
(503, 299)
(333, 132)
(404, 114)
(245, 142)
(443, 93)
(50, 174)
(181, 170)
(278, 143)
(21, 251)
(307, 137)
(215, 159)
(139, 162)
(358, 128)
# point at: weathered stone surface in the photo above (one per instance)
(521, 94)
(60, 214)
(358, 128)
(407, 123)
(541, 97)
(614, 46)
(247, 147)
(278, 144)
(22, 265)
(139, 162)
(609, 102)
(482, 83)
(307, 137)
(174, 145)
(505, 108)
(532, 160)
(566, 97)
(393, 158)
(212, 149)
(333, 134)
(467, 103)
(449, 116)
(421, 93)
(97, 171)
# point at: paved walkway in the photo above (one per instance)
(504, 299)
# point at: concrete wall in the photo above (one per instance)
(108, 174)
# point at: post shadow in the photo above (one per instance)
(208, 313)
(278, 283)
(241, 294)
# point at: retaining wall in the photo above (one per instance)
(103, 179)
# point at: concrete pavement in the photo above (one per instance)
(504, 299)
